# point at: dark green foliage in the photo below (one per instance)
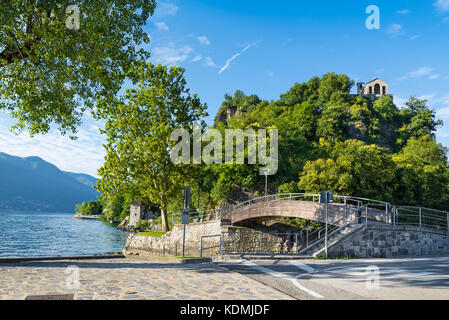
(92, 208)
(351, 144)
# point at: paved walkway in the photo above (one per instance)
(129, 279)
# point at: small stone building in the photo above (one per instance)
(136, 213)
(374, 89)
(139, 212)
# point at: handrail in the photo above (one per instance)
(290, 196)
(334, 222)
(213, 247)
(392, 212)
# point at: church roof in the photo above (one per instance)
(375, 80)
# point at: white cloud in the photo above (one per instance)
(434, 76)
(84, 155)
(169, 8)
(399, 102)
(228, 62)
(442, 5)
(197, 58)
(171, 55)
(203, 40)
(416, 36)
(423, 71)
(210, 62)
(162, 26)
(404, 11)
(395, 30)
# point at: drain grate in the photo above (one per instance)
(51, 297)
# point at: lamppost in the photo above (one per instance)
(266, 186)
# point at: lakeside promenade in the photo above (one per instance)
(129, 279)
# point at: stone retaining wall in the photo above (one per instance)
(234, 241)
(384, 241)
(171, 243)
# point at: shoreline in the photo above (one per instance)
(94, 217)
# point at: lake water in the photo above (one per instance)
(56, 234)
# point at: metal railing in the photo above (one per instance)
(197, 216)
(212, 247)
(420, 217)
(374, 210)
(309, 197)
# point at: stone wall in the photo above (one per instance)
(171, 243)
(384, 241)
(236, 239)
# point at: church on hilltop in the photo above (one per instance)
(374, 89)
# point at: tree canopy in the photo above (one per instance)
(138, 130)
(52, 70)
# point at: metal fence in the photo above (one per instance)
(420, 217)
(197, 216)
(213, 246)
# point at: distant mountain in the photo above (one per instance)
(83, 178)
(32, 184)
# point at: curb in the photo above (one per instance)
(171, 260)
(264, 257)
(95, 257)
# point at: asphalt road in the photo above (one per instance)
(392, 279)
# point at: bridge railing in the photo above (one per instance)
(309, 197)
(369, 210)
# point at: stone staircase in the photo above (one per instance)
(317, 248)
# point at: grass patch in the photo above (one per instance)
(156, 234)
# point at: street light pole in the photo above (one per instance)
(266, 186)
(325, 236)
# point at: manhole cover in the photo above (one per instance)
(51, 297)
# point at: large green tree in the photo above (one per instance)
(139, 128)
(53, 66)
(424, 173)
(353, 168)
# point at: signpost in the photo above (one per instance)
(326, 197)
(185, 216)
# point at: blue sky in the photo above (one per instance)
(264, 47)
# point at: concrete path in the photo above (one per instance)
(129, 279)
(395, 279)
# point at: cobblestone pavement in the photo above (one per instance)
(126, 279)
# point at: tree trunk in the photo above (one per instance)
(165, 225)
